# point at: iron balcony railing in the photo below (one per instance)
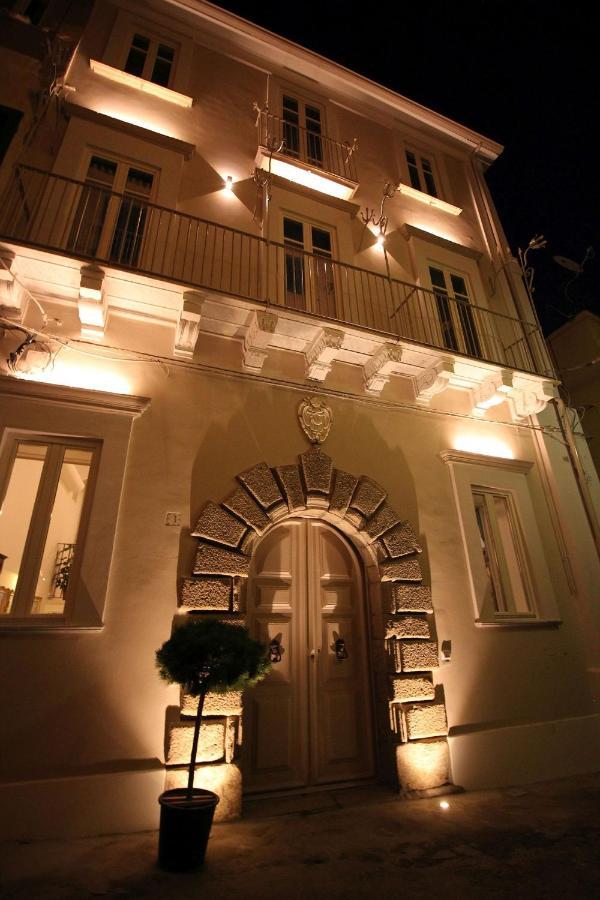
(308, 146)
(92, 223)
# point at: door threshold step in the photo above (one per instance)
(324, 799)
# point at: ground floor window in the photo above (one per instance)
(505, 539)
(47, 489)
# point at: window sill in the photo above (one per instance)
(429, 200)
(140, 84)
(518, 623)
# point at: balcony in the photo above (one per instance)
(124, 232)
(307, 157)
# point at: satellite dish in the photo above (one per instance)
(569, 264)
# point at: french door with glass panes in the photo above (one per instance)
(309, 269)
(456, 320)
(309, 722)
(302, 130)
(111, 214)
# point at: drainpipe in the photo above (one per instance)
(578, 470)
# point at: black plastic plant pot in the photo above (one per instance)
(184, 828)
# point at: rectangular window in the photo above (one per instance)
(45, 504)
(507, 542)
(302, 130)
(454, 311)
(106, 224)
(309, 270)
(420, 173)
(150, 59)
(508, 584)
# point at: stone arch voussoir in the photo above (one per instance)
(410, 710)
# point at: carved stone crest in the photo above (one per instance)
(315, 419)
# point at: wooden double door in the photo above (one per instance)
(309, 722)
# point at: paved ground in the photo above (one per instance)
(540, 841)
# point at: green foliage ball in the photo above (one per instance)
(212, 655)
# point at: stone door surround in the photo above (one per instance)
(409, 710)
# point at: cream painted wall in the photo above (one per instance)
(108, 703)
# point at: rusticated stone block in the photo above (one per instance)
(225, 780)
(417, 656)
(411, 598)
(406, 688)
(260, 482)
(211, 745)
(425, 720)
(292, 486)
(367, 497)
(409, 626)
(317, 469)
(206, 593)
(393, 648)
(243, 505)
(216, 524)
(423, 765)
(401, 541)
(384, 519)
(403, 569)
(344, 486)
(218, 560)
(228, 704)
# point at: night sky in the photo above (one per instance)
(522, 73)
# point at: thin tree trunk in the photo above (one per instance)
(192, 769)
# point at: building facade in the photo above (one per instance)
(266, 356)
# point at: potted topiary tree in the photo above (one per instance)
(201, 656)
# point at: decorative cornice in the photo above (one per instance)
(521, 466)
(100, 401)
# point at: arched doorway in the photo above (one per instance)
(309, 723)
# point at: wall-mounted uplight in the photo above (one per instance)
(444, 804)
(229, 184)
(380, 240)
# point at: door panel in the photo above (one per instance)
(309, 722)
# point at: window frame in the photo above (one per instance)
(471, 472)
(420, 157)
(314, 266)
(117, 197)
(303, 155)
(31, 408)
(37, 530)
(462, 319)
(155, 41)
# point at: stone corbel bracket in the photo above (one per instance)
(257, 340)
(322, 352)
(92, 305)
(527, 396)
(432, 382)
(491, 392)
(379, 368)
(188, 326)
(530, 396)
